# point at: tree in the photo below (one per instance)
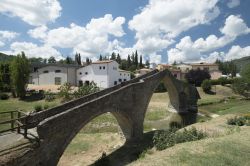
(20, 74)
(128, 61)
(5, 77)
(197, 76)
(100, 58)
(51, 60)
(147, 64)
(136, 58)
(118, 59)
(68, 60)
(87, 61)
(232, 69)
(245, 73)
(113, 56)
(206, 86)
(140, 64)
(78, 59)
(133, 58)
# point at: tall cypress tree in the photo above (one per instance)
(118, 59)
(113, 56)
(136, 58)
(129, 61)
(100, 58)
(140, 65)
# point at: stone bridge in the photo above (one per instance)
(128, 102)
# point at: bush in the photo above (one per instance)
(206, 86)
(65, 92)
(86, 89)
(222, 81)
(46, 106)
(49, 96)
(240, 86)
(38, 108)
(166, 138)
(197, 76)
(238, 121)
(4, 96)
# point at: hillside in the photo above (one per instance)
(4, 57)
(240, 63)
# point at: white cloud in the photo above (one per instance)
(90, 40)
(33, 50)
(233, 3)
(6, 36)
(237, 52)
(39, 32)
(234, 26)
(162, 20)
(187, 50)
(33, 12)
(184, 51)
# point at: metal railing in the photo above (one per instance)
(17, 122)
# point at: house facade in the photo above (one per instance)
(53, 74)
(104, 73)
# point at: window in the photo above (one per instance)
(175, 75)
(46, 71)
(58, 71)
(115, 82)
(103, 67)
(114, 68)
(86, 82)
(124, 79)
(120, 74)
(58, 80)
(86, 73)
(80, 83)
(120, 80)
(100, 67)
(80, 73)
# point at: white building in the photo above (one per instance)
(104, 73)
(53, 74)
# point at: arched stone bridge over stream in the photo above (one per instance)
(128, 102)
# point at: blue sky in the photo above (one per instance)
(163, 31)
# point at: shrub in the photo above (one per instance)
(38, 108)
(238, 121)
(86, 89)
(241, 87)
(167, 138)
(222, 81)
(206, 86)
(65, 92)
(49, 96)
(4, 96)
(46, 106)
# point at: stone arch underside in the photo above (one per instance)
(128, 104)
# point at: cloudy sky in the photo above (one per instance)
(161, 30)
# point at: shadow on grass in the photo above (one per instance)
(33, 97)
(128, 153)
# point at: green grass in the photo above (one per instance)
(234, 106)
(13, 104)
(156, 115)
(78, 144)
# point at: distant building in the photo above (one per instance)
(142, 71)
(104, 73)
(53, 74)
(212, 68)
(161, 67)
